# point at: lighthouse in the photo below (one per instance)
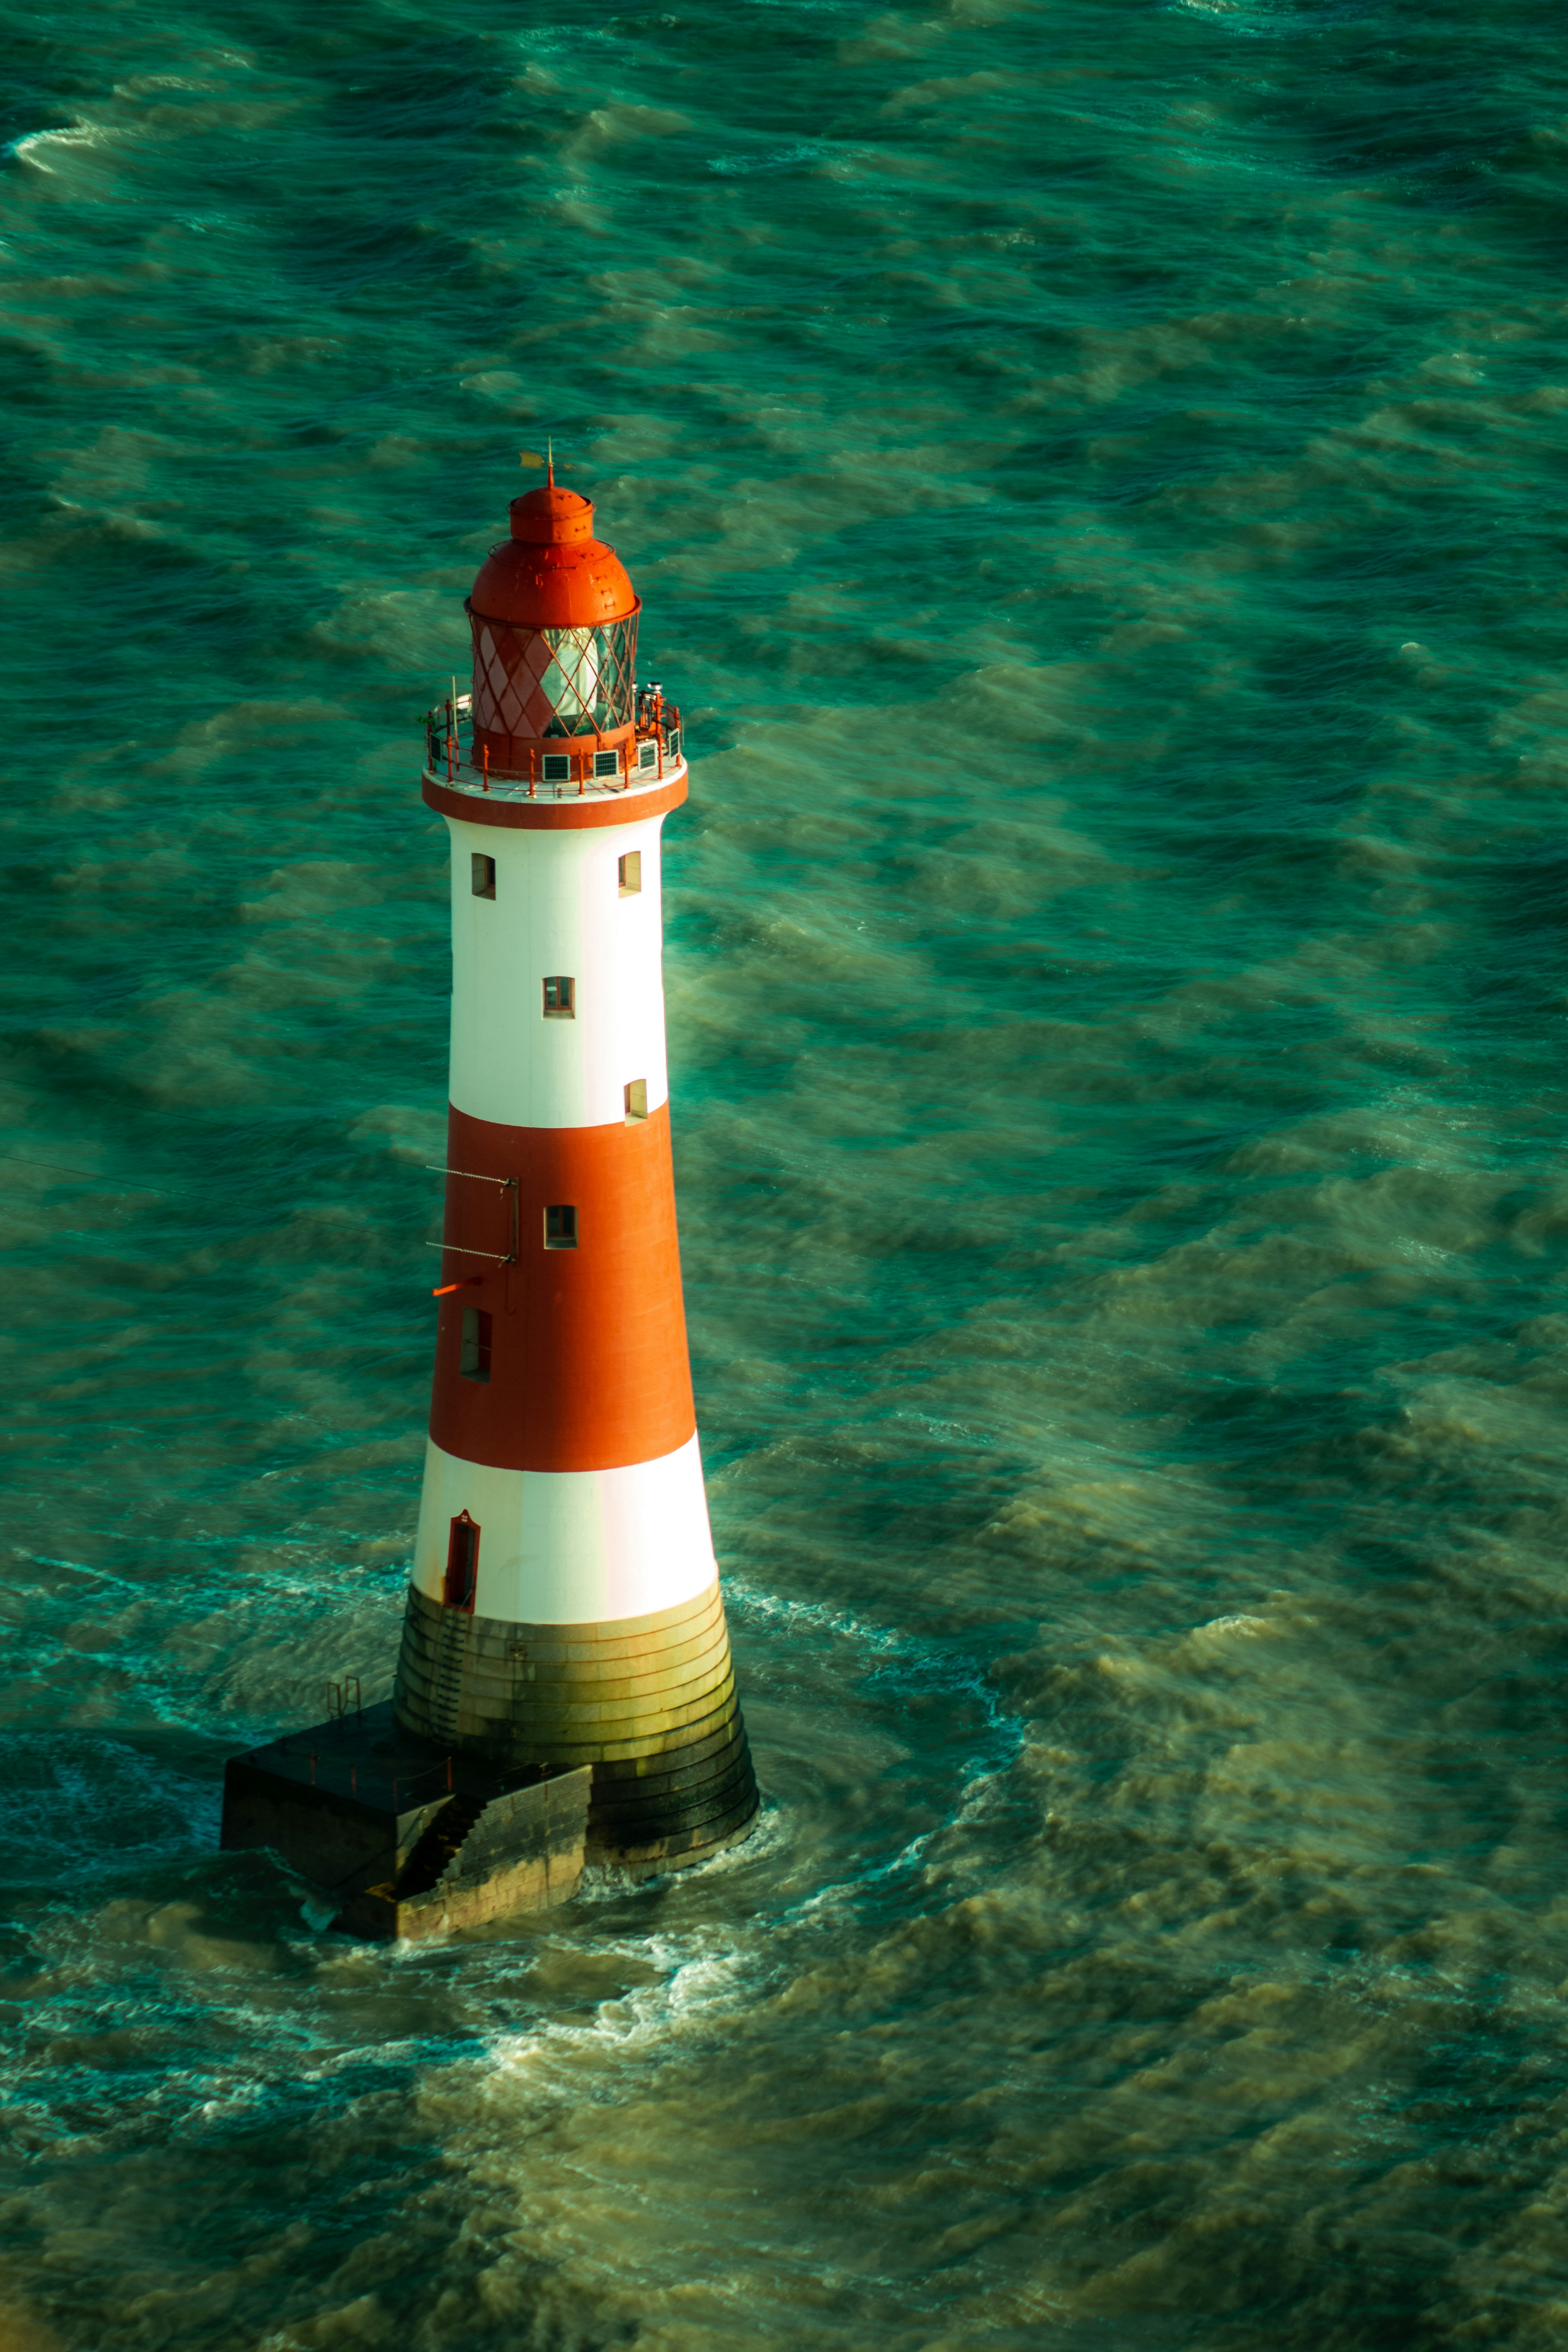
(563, 1608)
(563, 1692)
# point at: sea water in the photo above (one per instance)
(1095, 472)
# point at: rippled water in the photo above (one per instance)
(1096, 475)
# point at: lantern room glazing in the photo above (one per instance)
(535, 686)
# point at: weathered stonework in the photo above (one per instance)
(649, 1702)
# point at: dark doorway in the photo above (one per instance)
(462, 1563)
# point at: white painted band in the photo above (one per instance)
(558, 910)
(571, 1547)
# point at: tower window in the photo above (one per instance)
(636, 1099)
(484, 875)
(606, 763)
(561, 1228)
(462, 1563)
(557, 768)
(475, 1360)
(560, 998)
(648, 753)
(630, 870)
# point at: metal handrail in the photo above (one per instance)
(448, 729)
(407, 1782)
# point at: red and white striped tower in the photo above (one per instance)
(564, 1605)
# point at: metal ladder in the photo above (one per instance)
(451, 1649)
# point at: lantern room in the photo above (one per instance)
(554, 622)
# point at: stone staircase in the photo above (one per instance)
(439, 1847)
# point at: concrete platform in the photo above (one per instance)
(403, 1839)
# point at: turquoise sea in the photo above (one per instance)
(1095, 472)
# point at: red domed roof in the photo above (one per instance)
(552, 574)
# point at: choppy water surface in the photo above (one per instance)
(1096, 476)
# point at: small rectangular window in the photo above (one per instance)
(606, 763)
(560, 998)
(561, 1228)
(476, 1358)
(648, 753)
(636, 1099)
(557, 768)
(484, 875)
(630, 870)
(672, 742)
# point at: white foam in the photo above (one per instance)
(29, 148)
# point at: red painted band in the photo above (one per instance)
(588, 1366)
(555, 817)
